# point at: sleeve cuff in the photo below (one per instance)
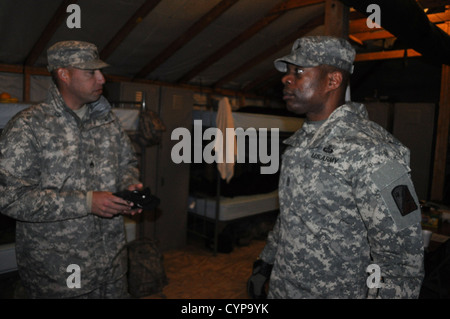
(89, 200)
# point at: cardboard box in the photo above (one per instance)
(431, 218)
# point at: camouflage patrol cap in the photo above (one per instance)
(317, 50)
(78, 54)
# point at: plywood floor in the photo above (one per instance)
(194, 273)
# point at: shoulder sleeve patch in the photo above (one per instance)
(397, 191)
(404, 200)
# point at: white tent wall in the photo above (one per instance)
(38, 87)
(12, 83)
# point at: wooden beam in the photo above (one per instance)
(379, 34)
(336, 18)
(195, 29)
(441, 17)
(360, 32)
(294, 4)
(195, 88)
(20, 69)
(356, 40)
(304, 29)
(11, 68)
(433, 3)
(135, 19)
(276, 12)
(442, 134)
(48, 32)
(440, 153)
(384, 55)
(360, 25)
(26, 85)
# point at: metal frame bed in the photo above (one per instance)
(205, 210)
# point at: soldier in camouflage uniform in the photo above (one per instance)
(60, 161)
(346, 198)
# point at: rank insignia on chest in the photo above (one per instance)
(328, 149)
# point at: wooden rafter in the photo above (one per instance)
(371, 35)
(135, 19)
(336, 19)
(294, 4)
(273, 14)
(359, 32)
(48, 32)
(433, 3)
(196, 28)
(442, 129)
(385, 55)
(358, 28)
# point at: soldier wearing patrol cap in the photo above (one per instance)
(347, 202)
(60, 162)
(77, 54)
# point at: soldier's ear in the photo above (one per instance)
(63, 74)
(334, 80)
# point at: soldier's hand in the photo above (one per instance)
(135, 187)
(256, 285)
(105, 204)
(134, 211)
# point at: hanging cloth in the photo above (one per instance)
(226, 148)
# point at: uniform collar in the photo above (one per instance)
(96, 110)
(310, 127)
(54, 97)
(316, 131)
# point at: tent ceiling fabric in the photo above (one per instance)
(214, 43)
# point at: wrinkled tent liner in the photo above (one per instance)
(161, 31)
(101, 20)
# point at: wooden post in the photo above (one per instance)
(26, 84)
(336, 18)
(442, 134)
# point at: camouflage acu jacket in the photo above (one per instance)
(346, 202)
(49, 160)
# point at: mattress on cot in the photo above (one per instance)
(234, 207)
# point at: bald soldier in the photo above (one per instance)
(349, 222)
(60, 162)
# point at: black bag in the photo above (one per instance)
(151, 128)
(146, 275)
